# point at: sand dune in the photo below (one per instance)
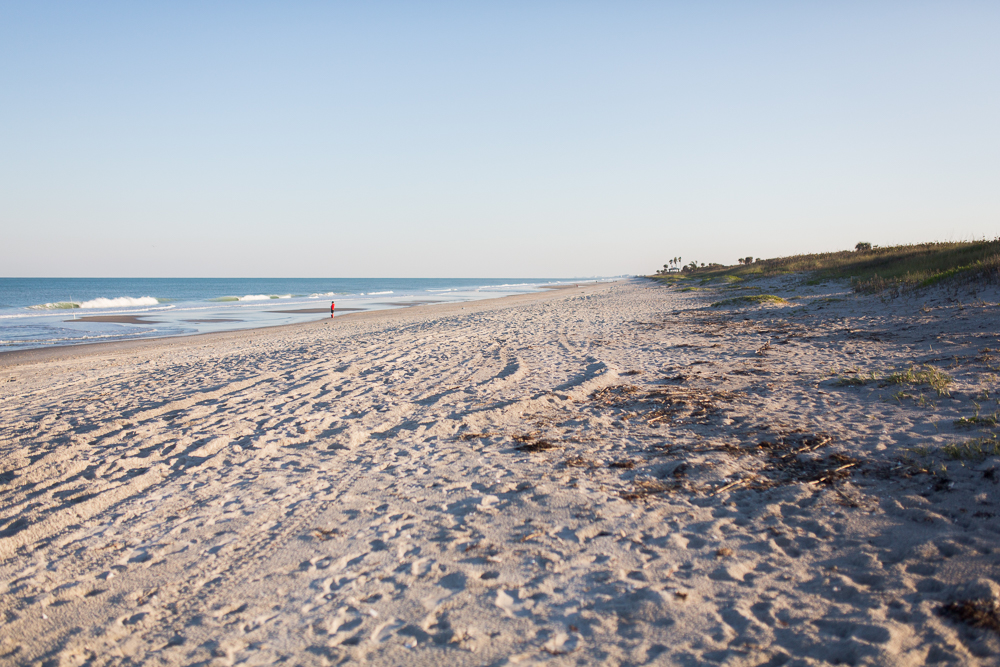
(614, 474)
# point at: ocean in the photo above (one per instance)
(45, 312)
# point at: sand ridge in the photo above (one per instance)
(615, 474)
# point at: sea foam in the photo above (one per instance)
(101, 302)
(121, 302)
(264, 297)
(251, 297)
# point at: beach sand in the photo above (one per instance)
(607, 474)
(408, 303)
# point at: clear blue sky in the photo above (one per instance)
(487, 139)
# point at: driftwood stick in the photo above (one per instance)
(832, 473)
(729, 486)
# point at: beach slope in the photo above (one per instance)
(615, 473)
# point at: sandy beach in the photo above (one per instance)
(612, 474)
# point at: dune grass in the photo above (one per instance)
(750, 300)
(976, 449)
(872, 270)
(857, 380)
(979, 420)
(928, 375)
(912, 376)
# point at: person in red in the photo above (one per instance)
(332, 304)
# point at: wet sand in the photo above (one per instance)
(212, 320)
(408, 304)
(316, 310)
(117, 319)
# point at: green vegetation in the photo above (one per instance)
(721, 280)
(973, 450)
(670, 278)
(978, 419)
(871, 269)
(749, 300)
(920, 399)
(927, 375)
(857, 380)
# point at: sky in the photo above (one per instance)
(506, 139)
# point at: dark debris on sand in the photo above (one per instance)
(982, 613)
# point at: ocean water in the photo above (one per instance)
(44, 312)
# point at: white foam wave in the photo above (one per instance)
(374, 293)
(58, 305)
(320, 295)
(120, 302)
(264, 297)
(100, 302)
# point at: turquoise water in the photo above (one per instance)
(43, 312)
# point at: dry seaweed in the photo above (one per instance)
(643, 488)
(676, 404)
(580, 462)
(530, 443)
(475, 436)
(982, 613)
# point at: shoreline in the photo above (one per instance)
(56, 352)
(185, 307)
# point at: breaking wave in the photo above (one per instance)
(59, 305)
(318, 295)
(101, 302)
(252, 297)
(264, 297)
